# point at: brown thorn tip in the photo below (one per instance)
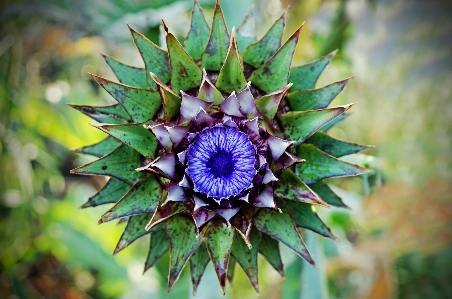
(165, 27)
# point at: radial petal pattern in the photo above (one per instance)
(218, 149)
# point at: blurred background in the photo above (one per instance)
(395, 238)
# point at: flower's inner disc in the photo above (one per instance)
(221, 162)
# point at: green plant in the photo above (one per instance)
(217, 148)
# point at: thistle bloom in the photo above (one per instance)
(218, 149)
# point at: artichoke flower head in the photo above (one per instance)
(217, 148)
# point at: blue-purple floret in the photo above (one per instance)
(221, 162)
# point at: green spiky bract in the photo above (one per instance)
(187, 84)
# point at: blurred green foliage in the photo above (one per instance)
(393, 243)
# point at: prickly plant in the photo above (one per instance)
(217, 149)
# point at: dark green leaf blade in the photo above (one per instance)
(304, 215)
(291, 187)
(165, 212)
(183, 242)
(313, 99)
(142, 198)
(247, 257)
(231, 77)
(121, 164)
(127, 74)
(157, 248)
(140, 104)
(281, 227)
(319, 165)
(113, 191)
(114, 114)
(100, 149)
(155, 59)
(335, 122)
(198, 263)
(274, 73)
(269, 248)
(300, 125)
(133, 135)
(134, 230)
(197, 37)
(219, 239)
(185, 74)
(325, 192)
(269, 103)
(231, 269)
(217, 46)
(256, 54)
(335, 147)
(305, 76)
(171, 101)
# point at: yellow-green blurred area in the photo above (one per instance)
(396, 236)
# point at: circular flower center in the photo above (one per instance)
(221, 162)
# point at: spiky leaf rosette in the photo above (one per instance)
(218, 149)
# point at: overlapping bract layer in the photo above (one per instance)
(218, 149)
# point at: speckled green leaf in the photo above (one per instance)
(185, 74)
(140, 104)
(259, 52)
(304, 215)
(100, 149)
(281, 227)
(157, 248)
(231, 269)
(319, 165)
(121, 164)
(197, 37)
(198, 263)
(155, 59)
(183, 242)
(291, 187)
(335, 122)
(133, 135)
(219, 239)
(269, 103)
(305, 76)
(269, 248)
(312, 99)
(110, 193)
(217, 46)
(171, 101)
(274, 73)
(300, 125)
(127, 74)
(113, 114)
(325, 192)
(165, 212)
(133, 231)
(247, 258)
(143, 197)
(335, 147)
(231, 77)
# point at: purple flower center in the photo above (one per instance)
(221, 162)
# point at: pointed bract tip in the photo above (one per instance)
(133, 31)
(347, 107)
(165, 27)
